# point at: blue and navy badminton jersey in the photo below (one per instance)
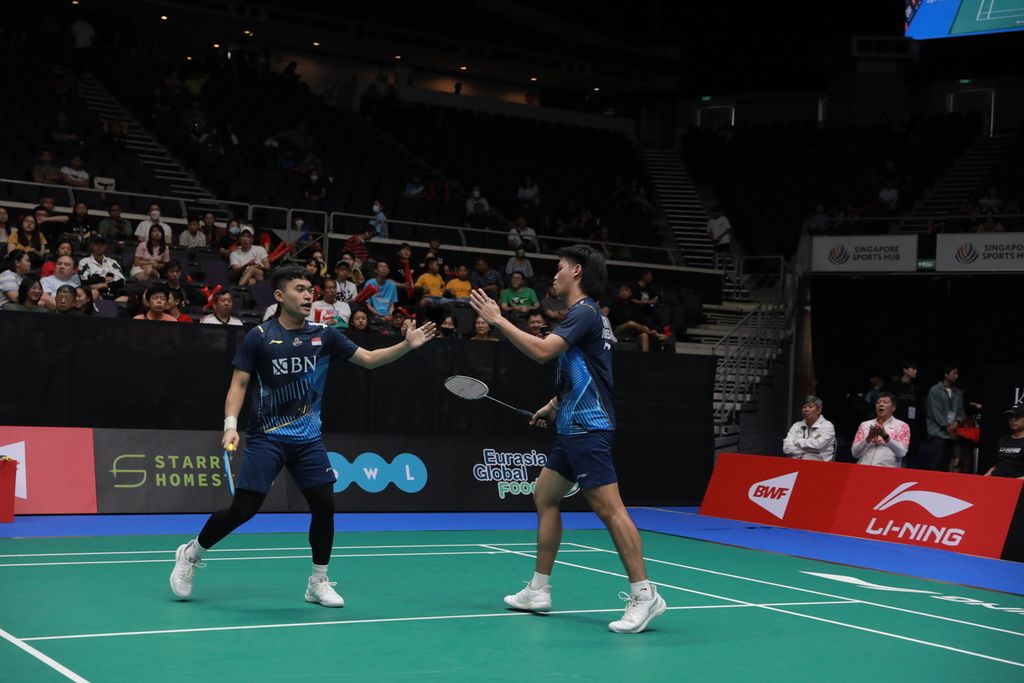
(288, 371)
(585, 371)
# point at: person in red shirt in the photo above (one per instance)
(356, 245)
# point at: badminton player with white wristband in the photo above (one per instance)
(584, 421)
(289, 358)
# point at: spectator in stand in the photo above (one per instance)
(517, 300)
(522, 235)
(535, 325)
(155, 298)
(475, 200)
(315, 189)
(347, 290)
(626, 317)
(482, 331)
(356, 246)
(223, 303)
(1010, 447)
(408, 324)
(50, 224)
(553, 308)
(248, 263)
(486, 278)
(73, 174)
(209, 226)
(45, 171)
(413, 189)
(990, 224)
(65, 300)
(872, 394)
(359, 321)
(381, 306)
(720, 231)
(151, 256)
(379, 222)
(646, 296)
(29, 294)
(431, 284)
(226, 238)
(528, 194)
(329, 310)
(884, 440)
(459, 286)
(174, 307)
(945, 408)
(812, 438)
(81, 224)
(403, 275)
(64, 248)
(193, 237)
(63, 135)
(990, 201)
(142, 231)
(519, 262)
(185, 293)
(434, 249)
(313, 269)
(64, 275)
(19, 265)
(477, 219)
(889, 197)
(448, 327)
(28, 238)
(6, 228)
(114, 227)
(908, 408)
(101, 277)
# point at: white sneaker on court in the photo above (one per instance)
(638, 612)
(322, 591)
(530, 600)
(184, 572)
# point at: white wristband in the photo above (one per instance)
(230, 423)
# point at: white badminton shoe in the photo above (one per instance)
(184, 573)
(638, 612)
(530, 600)
(322, 591)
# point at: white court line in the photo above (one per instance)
(981, 10)
(795, 614)
(48, 661)
(262, 550)
(813, 592)
(266, 557)
(399, 619)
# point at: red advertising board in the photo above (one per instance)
(963, 513)
(56, 473)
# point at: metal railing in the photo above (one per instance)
(881, 225)
(747, 350)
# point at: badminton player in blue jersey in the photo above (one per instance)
(584, 421)
(283, 365)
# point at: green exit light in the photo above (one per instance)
(965, 81)
(926, 264)
(705, 98)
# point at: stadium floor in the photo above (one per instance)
(87, 598)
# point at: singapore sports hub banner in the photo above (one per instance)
(865, 253)
(178, 471)
(962, 513)
(980, 252)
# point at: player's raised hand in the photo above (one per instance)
(485, 306)
(418, 336)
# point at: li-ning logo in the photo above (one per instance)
(293, 366)
(938, 505)
(773, 494)
(966, 253)
(838, 255)
(372, 473)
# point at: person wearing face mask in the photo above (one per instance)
(379, 222)
(142, 231)
(226, 237)
(448, 328)
(316, 186)
(476, 199)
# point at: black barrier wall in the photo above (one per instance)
(113, 374)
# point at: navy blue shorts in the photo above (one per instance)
(264, 458)
(584, 458)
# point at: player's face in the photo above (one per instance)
(296, 298)
(563, 277)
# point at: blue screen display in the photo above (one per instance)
(927, 19)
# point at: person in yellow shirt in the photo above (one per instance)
(459, 287)
(431, 284)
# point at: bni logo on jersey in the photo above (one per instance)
(295, 365)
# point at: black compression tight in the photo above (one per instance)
(246, 504)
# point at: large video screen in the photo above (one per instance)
(953, 18)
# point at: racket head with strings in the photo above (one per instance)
(469, 388)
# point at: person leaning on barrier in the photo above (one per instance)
(812, 438)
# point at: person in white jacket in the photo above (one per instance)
(885, 440)
(812, 438)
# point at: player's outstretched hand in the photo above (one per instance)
(485, 306)
(418, 336)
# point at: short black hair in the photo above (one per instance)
(158, 288)
(26, 284)
(595, 273)
(282, 276)
(948, 368)
(173, 264)
(112, 204)
(519, 273)
(221, 294)
(904, 364)
(886, 394)
(66, 289)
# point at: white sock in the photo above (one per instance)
(319, 572)
(642, 590)
(539, 581)
(195, 551)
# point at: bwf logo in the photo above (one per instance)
(773, 494)
(294, 365)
